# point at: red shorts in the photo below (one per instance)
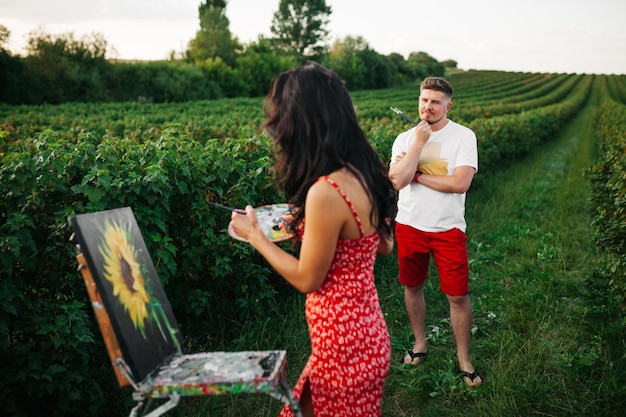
(449, 250)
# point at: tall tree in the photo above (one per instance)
(299, 27)
(214, 38)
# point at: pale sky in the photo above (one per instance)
(559, 36)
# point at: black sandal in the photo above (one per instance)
(414, 355)
(471, 376)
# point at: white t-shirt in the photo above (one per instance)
(424, 208)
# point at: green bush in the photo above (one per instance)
(608, 179)
(158, 81)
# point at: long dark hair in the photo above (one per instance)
(311, 118)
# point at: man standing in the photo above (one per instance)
(432, 166)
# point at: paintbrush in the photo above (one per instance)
(239, 211)
(403, 115)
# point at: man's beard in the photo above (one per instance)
(436, 121)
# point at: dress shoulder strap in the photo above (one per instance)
(346, 199)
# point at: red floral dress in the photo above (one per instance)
(350, 343)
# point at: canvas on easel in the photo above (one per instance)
(139, 328)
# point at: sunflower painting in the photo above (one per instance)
(123, 268)
(123, 271)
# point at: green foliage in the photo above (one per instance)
(449, 64)
(343, 59)
(46, 332)
(159, 81)
(359, 66)
(379, 71)
(423, 65)
(505, 138)
(363, 68)
(62, 68)
(139, 121)
(224, 78)
(14, 88)
(5, 34)
(214, 38)
(299, 27)
(532, 94)
(258, 66)
(608, 179)
(401, 70)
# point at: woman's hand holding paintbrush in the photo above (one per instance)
(226, 207)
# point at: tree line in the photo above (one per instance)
(63, 68)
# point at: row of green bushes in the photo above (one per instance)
(608, 179)
(506, 138)
(512, 88)
(559, 87)
(617, 88)
(33, 80)
(140, 121)
(493, 85)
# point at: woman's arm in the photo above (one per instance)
(325, 217)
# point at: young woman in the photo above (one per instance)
(344, 200)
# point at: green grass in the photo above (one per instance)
(547, 340)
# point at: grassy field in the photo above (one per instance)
(547, 341)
